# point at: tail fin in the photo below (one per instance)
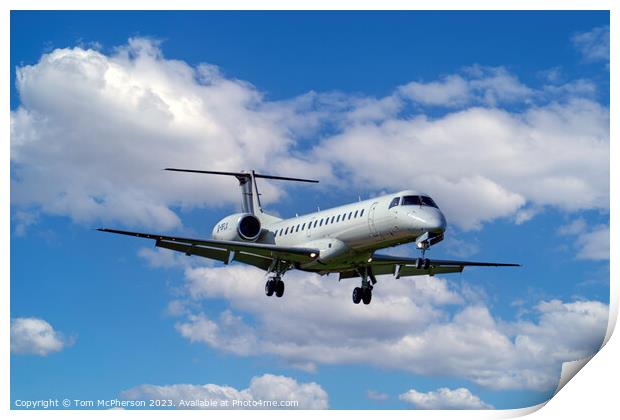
(250, 198)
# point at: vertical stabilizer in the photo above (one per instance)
(250, 197)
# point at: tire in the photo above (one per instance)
(357, 295)
(366, 296)
(279, 288)
(269, 288)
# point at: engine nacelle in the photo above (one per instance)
(238, 227)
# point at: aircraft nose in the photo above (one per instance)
(436, 222)
(427, 219)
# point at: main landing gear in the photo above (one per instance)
(274, 283)
(364, 293)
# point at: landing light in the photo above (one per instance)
(312, 254)
(370, 259)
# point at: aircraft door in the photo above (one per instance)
(371, 220)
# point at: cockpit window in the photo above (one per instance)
(411, 200)
(427, 201)
(418, 200)
(394, 202)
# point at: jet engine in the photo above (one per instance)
(238, 227)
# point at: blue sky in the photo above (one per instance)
(516, 103)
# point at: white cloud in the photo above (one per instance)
(161, 257)
(444, 399)
(452, 90)
(481, 85)
(525, 214)
(594, 44)
(594, 245)
(590, 242)
(481, 164)
(93, 131)
(408, 323)
(262, 388)
(22, 220)
(36, 336)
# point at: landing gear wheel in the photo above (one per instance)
(269, 287)
(366, 295)
(279, 288)
(357, 295)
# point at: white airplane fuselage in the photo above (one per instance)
(338, 240)
(348, 235)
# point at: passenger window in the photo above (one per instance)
(286, 231)
(321, 222)
(362, 213)
(332, 221)
(315, 222)
(350, 214)
(394, 202)
(338, 219)
(303, 226)
(355, 215)
(297, 230)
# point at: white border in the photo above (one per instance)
(593, 394)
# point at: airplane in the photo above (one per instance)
(342, 240)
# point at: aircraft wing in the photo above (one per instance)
(387, 259)
(256, 254)
(404, 266)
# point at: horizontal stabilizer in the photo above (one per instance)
(242, 175)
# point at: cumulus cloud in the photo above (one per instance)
(491, 161)
(594, 44)
(411, 323)
(93, 131)
(452, 90)
(36, 336)
(262, 388)
(444, 399)
(589, 242)
(481, 85)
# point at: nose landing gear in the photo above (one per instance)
(424, 242)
